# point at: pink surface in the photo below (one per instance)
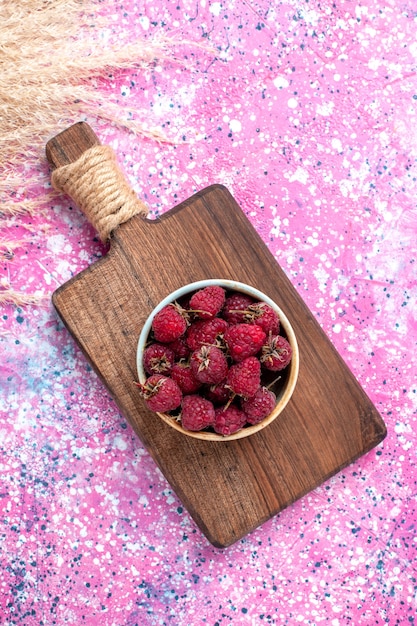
(307, 112)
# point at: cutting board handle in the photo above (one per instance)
(88, 172)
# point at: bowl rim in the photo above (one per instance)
(232, 285)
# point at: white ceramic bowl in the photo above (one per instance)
(284, 387)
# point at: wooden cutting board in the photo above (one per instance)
(230, 488)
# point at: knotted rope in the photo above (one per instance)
(98, 186)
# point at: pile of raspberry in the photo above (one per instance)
(209, 358)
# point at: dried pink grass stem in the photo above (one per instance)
(55, 55)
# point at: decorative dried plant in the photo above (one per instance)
(55, 58)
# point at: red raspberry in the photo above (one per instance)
(219, 394)
(197, 413)
(206, 332)
(160, 393)
(228, 421)
(259, 406)
(276, 353)
(209, 364)
(158, 359)
(208, 302)
(183, 375)
(235, 307)
(244, 378)
(244, 340)
(180, 348)
(261, 314)
(169, 324)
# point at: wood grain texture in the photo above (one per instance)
(228, 488)
(69, 145)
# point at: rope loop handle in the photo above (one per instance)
(98, 186)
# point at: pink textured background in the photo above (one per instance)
(307, 112)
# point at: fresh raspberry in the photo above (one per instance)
(209, 364)
(235, 306)
(219, 394)
(228, 421)
(208, 302)
(158, 359)
(276, 353)
(259, 406)
(244, 340)
(261, 314)
(179, 348)
(206, 333)
(244, 378)
(197, 413)
(183, 375)
(160, 393)
(169, 324)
